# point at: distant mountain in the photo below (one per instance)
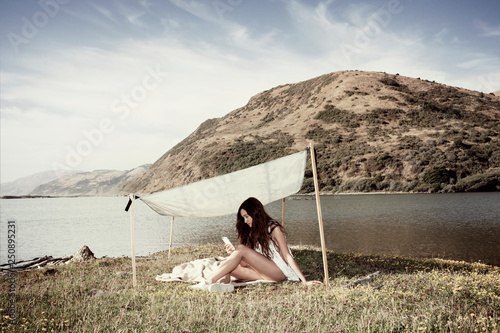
(372, 132)
(497, 93)
(95, 183)
(25, 185)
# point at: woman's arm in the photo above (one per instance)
(280, 239)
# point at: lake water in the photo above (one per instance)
(459, 226)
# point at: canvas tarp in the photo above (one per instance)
(222, 195)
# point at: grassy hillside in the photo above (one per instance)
(372, 131)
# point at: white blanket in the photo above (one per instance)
(197, 271)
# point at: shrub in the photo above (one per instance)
(389, 82)
(393, 84)
(268, 118)
(243, 154)
(438, 175)
(307, 185)
(333, 115)
(350, 92)
(378, 178)
(389, 98)
(479, 183)
(384, 158)
(328, 188)
(429, 188)
(319, 134)
(363, 185)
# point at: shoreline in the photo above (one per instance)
(297, 195)
(66, 259)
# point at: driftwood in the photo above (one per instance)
(84, 254)
(367, 279)
(25, 263)
(34, 263)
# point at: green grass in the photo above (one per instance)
(411, 295)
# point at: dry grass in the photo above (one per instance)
(411, 295)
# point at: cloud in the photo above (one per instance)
(210, 63)
(104, 12)
(170, 23)
(130, 14)
(443, 33)
(203, 10)
(309, 20)
(146, 3)
(361, 36)
(486, 30)
(478, 60)
(77, 88)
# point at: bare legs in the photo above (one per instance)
(260, 267)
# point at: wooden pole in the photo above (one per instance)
(171, 234)
(283, 213)
(320, 217)
(134, 277)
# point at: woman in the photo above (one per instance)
(263, 252)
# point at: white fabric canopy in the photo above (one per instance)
(222, 195)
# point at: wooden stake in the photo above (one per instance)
(134, 277)
(320, 217)
(283, 213)
(171, 234)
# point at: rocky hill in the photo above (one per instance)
(95, 183)
(25, 185)
(372, 132)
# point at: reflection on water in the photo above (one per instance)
(460, 226)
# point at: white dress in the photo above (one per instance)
(278, 260)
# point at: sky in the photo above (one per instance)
(93, 84)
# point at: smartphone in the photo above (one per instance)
(226, 240)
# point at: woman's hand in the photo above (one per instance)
(229, 248)
(310, 283)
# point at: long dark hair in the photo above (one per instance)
(261, 221)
